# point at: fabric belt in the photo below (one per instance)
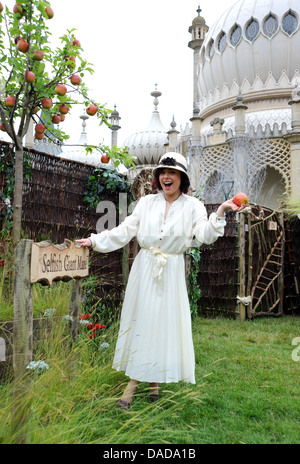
(160, 261)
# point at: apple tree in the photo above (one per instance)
(35, 76)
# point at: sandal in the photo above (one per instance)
(153, 397)
(122, 404)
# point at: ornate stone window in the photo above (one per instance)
(270, 26)
(211, 48)
(236, 35)
(289, 23)
(222, 42)
(252, 30)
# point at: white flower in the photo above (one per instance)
(84, 322)
(7, 202)
(49, 312)
(68, 318)
(37, 366)
(103, 346)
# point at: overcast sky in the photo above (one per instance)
(133, 45)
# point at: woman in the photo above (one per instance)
(155, 338)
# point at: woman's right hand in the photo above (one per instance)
(84, 242)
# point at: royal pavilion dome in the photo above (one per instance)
(251, 50)
(148, 145)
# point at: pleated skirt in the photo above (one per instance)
(155, 336)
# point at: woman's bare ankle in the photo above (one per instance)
(129, 391)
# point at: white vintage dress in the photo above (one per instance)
(155, 337)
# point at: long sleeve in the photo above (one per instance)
(111, 240)
(207, 230)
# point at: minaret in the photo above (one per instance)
(114, 120)
(198, 29)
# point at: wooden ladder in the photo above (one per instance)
(268, 276)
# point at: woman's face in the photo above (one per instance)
(170, 180)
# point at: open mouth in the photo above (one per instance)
(168, 184)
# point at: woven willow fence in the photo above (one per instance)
(53, 209)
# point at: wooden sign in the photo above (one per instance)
(58, 262)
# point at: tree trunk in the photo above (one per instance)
(18, 193)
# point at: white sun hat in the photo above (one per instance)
(172, 160)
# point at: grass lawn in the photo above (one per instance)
(247, 391)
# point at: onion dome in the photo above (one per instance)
(149, 145)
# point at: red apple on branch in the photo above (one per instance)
(46, 103)
(2, 127)
(76, 43)
(10, 101)
(30, 77)
(91, 110)
(104, 159)
(23, 46)
(73, 61)
(56, 119)
(18, 10)
(61, 90)
(40, 128)
(63, 108)
(1, 7)
(49, 12)
(62, 117)
(75, 79)
(38, 55)
(39, 135)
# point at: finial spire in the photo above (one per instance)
(156, 93)
(199, 10)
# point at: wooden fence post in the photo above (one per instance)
(241, 308)
(23, 339)
(23, 315)
(74, 306)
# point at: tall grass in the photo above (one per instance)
(247, 388)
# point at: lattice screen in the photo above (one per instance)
(219, 162)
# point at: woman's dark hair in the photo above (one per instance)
(184, 186)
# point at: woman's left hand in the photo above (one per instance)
(229, 205)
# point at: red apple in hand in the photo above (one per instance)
(91, 110)
(10, 101)
(61, 89)
(75, 79)
(46, 103)
(104, 159)
(49, 12)
(38, 55)
(30, 77)
(23, 46)
(241, 199)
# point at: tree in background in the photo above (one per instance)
(34, 77)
